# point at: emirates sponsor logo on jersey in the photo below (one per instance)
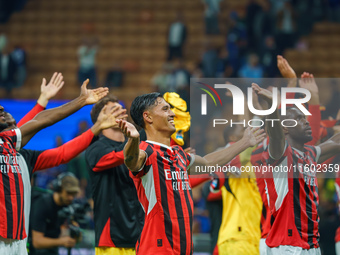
(176, 175)
(9, 163)
(180, 180)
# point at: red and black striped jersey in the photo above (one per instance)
(293, 198)
(266, 217)
(12, 220)
(165, 194)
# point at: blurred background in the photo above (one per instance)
(138, 46)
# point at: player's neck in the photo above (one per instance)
(295, 144)
(158, 137)
(114, 134)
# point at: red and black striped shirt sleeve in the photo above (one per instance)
(31, 114)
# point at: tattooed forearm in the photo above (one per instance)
(129, 158)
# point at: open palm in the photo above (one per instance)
(254, 135)
(265, 94)
(53, 87)
(128, 129)
(107, 119)
(92, 96)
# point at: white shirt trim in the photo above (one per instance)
(192, 161)
(19, 139)
(270, 155)
(318, 153)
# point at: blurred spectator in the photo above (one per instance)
(253, 9)
(302, 44)
(181, 76)
(181, 80)
(8, 70)
(263, 24)
(252, 69)
(19, 57)
(3, 42)
(161, 80)
(87, 61)
(197, 72)
(277, 5)
(285, 27)
(83, 126)
(236, 43)
(333, 10)
(78, 165)
(114, 76)
(209, 61)
(176, 37)
(319, 8)
(43, 179)
(212, 9)
(269, 57)
(201, 223)
(305, 20)
(224, 69)
(214, 208)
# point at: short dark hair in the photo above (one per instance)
(142, 103)
(289, 109)
(96, 109)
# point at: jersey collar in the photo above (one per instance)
(159, 144)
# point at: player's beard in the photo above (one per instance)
(3, 126)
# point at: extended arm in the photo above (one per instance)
(307, 82)
(250, 138)
(46, 93)
(287, 71)
(51, 116)
(66, 152)
(330, 148)
(31, 114)
(40, 241)
(106, 158)
(134, 158)
(274, 129)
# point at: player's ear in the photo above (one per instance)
(147, 117)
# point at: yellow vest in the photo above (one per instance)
(242, 206)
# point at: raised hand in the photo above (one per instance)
(128, 129)
(265, 94)
(107, 118)
(254, 136)
(256, 102)
(92, 96)
(307, 81)
(285, 69)
(51, 89)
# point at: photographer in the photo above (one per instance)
(46, 220)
